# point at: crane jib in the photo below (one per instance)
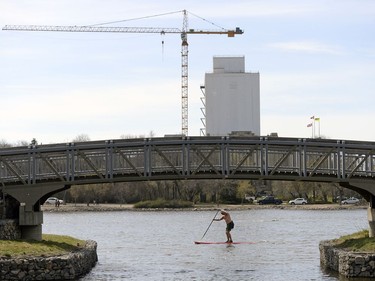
(91, 29)
(161, 30)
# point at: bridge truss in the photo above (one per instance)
(187, 158)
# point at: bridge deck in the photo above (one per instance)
(188, 158)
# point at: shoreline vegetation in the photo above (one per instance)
(162, 206)
(356, 242)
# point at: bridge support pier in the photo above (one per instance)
(366, 189)
(371, 216)
(31, 232)
(30, 214)
(371, 221)
(30, 221)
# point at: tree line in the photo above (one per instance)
(203, 191)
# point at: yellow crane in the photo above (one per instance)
(184, 46)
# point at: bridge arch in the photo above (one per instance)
(31, 173)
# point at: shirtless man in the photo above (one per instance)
(230, 225)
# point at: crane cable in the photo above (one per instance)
(210, 22)
(159, 15)
(146, 17)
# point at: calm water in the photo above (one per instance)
(159, 245)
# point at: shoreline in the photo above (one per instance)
(71, 207)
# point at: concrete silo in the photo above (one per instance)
(232, 98)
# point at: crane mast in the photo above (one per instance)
(184, 47)
(184, 77)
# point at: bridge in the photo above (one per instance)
(33, 173)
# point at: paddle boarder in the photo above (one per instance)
(230, 225)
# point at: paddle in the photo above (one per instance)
(210, 224)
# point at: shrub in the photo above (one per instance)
(162, 204)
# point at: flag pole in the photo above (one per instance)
(313, 126)
(319, 127)
(318, 120)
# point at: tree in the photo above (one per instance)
(4, 144)
(244, 187)
(228, 192)
(81, 138)
(34, 142)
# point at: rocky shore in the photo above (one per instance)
(71, 207)
(70, 266)
(347, 263)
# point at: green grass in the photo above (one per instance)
(51, 245)
(356, 242)
(161, 203)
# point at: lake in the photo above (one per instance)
(159, 245)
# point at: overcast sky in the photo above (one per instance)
(315, 58)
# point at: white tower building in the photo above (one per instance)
(232, 98)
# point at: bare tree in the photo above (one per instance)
(81, 138)
(3, 143)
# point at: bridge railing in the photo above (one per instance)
(187, 158)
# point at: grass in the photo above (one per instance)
(161, 203)
(51, 245)
(356, 242)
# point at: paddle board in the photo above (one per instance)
(208, 242)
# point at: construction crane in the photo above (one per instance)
(184, 46)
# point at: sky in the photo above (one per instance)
(315, 58)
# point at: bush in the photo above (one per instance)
(164, 204)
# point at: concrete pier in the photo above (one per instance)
(30, 214)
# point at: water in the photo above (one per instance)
(158, 245)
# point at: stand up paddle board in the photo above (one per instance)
(208, 242)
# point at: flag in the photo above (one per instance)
(317, 119)
(312, 117)
(309, 125)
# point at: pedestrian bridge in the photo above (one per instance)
(31, 174)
